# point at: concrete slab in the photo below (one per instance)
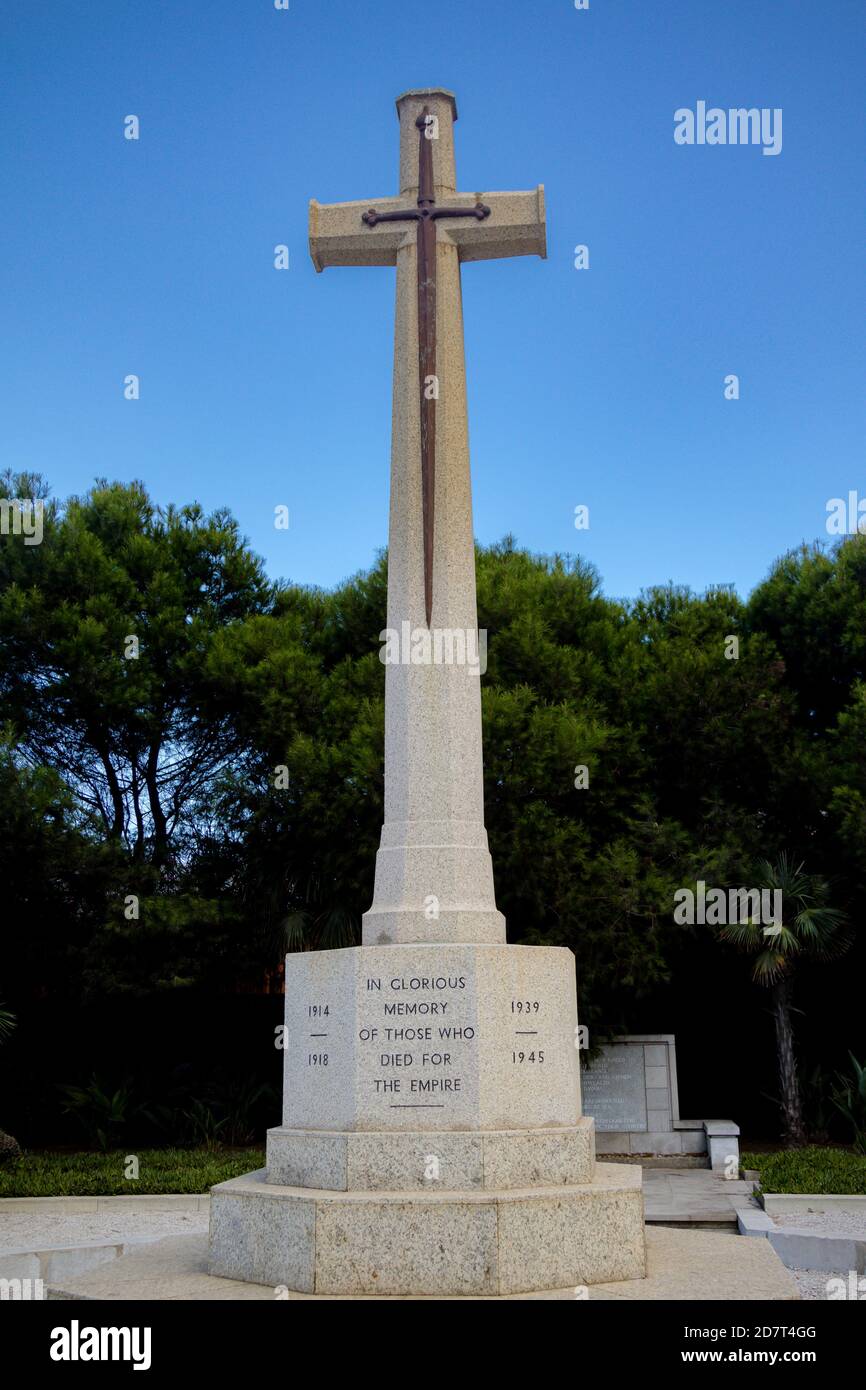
(702, 1266)
(692, 1195)
(806, 1250)
(76, 1206)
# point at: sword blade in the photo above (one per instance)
(428, 388)
(426, 244)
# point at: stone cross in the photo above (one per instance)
(434, 878)
(432, 1142)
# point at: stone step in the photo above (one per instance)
(438, 1243)
(431, 1160)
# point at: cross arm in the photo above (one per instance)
(339, 236)
(516, 225)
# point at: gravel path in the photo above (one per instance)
(30, 1230)
(829, 1223)
(813, 1283)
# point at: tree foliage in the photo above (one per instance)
(227, 778)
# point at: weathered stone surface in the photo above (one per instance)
(474, 1243)
(398, 1162)
(432, 1160)
(540, 1158)
(592, 1235)
(256, 1234)
(687, 1266)
(415, 1245)
(438, 1037)
(308, 1158)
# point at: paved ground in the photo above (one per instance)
(826, 1223)
(682, 1265)
(693, 1196)
(697, 1196)
(821, 1285)
(34, 1230)
(686, 1196)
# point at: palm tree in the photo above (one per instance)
(810, 930)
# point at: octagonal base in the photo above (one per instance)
(466, 1243)
(431, 1160)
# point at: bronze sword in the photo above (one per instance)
(426, 214)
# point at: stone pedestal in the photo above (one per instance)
(457, 1037)
(432, 1141)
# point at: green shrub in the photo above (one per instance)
(101, 1112)
(809, 1170)
(103, 1174)
(849, 1098)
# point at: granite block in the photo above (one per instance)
(658, 1120)
(693, 1141)
(664, 1142)
(658, 1098)
(540, 1158)
(393, 1162)
(406, 1247)
(265, 1236)
(444, 1037)
(310, 1158)
(612, 1142)
(589, 1237)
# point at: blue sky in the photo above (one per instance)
(602, 387)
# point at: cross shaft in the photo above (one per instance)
(434, 845)
(425, 215)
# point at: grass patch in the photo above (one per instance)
(809, 1170)
(102, 1175)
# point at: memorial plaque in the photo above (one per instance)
(614, 1089)
(430, 1037)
